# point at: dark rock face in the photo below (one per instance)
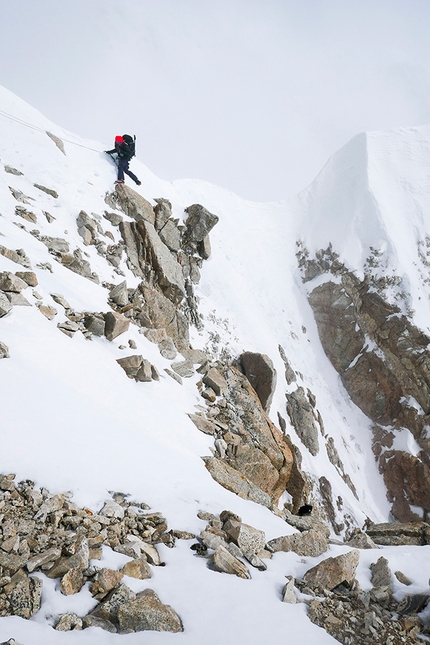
(408, 481)
(259, 370)
(384, 362)
(199, 223)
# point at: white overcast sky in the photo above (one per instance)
(252, 95)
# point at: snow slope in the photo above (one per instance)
(71, 420)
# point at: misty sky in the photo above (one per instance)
(252, 95)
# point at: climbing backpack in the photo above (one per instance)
(129, 145)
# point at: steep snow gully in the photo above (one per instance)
(330, 288)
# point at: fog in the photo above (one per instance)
(252, 95)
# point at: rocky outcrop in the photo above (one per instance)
(256, 462)
(236, 482)
(312, 539)
(332, 572)
(199, 223)
(150, 259)
(384, 364)
(303, 419)
(407, 479)
(395, 534)
(138, 368)
(260, 372)
(167, 256)
(227, 541)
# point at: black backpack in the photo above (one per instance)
(130, 145)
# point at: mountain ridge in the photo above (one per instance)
(75, 422)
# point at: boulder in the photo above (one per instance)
(208, 427)
(13, 171)
(199, 223)
(104, 581)
(250, 541)
(204, 248)
(69, 622)
(29, 277)
(4, 351)
(131, 364)
(137, 568)
(11, 563)
(60, 300)
(140, 547)
(215, 381)
(332, 572)
(119, 294)
(95, 621)
(115, 324)
(79, 560)
(55, 245)
(133, 204)
(396, 534)
(167, 349)
(58, 142)
(5, 305)
(109, 607)
(288, 592)
(38, 560)
(113, 218)
(311, 543)
(361, 540)
(234, 481)
(260, 372)
(112, 509)
(381, 573)
(95, 323)
(76, 263)
(10, 282)
(171, 235)
(224, 562)
(24, 595)
(163, 211)
(72, 581)
(183, 368)
(48, 311)
(19, 256)
(147, 612)
(87, 228)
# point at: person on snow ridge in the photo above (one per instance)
(125, 149)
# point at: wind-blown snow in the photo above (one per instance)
(71, 420)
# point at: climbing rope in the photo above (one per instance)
(35, 127)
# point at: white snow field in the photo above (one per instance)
(71, 420)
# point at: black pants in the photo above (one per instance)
(123, 168)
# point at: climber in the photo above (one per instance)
(125, 148)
